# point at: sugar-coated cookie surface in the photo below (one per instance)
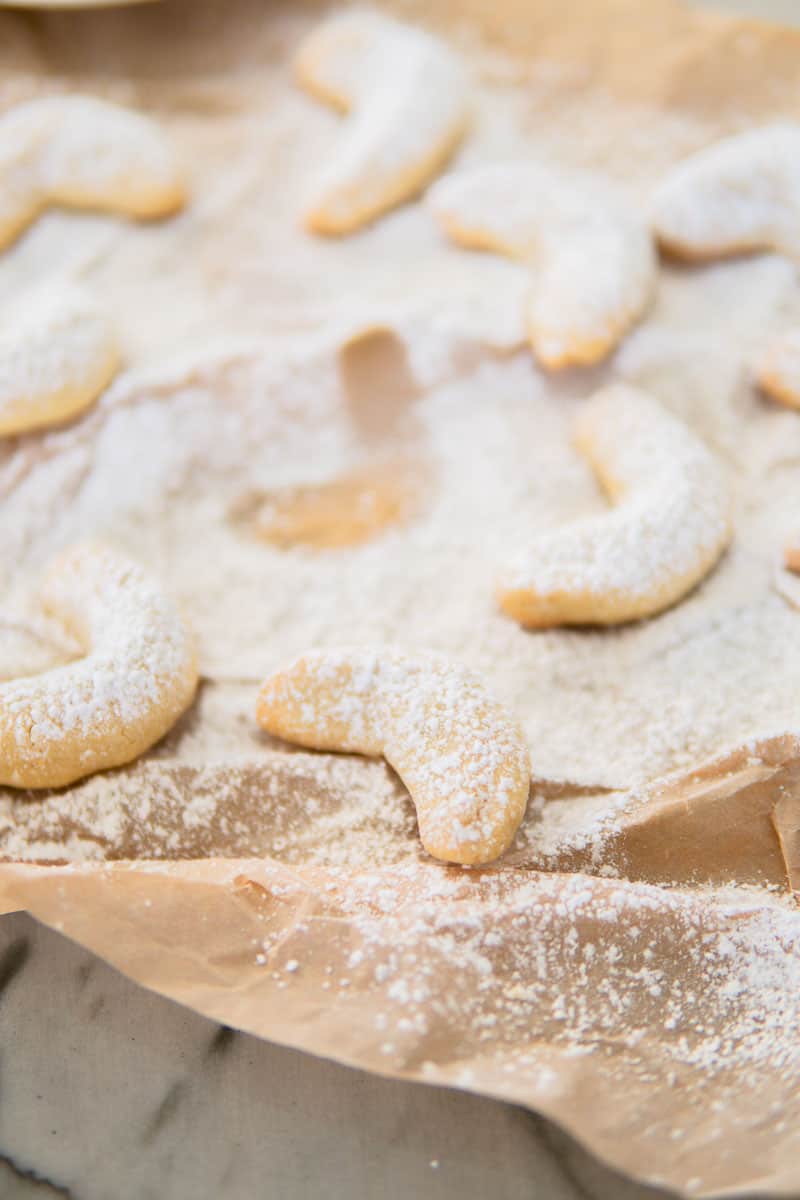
(82, 152)
(56, 356)
(738, 195)
(138, 675)
(591, 257)
(462, 757)
(408, 99)
(777, 368)
(670, 523)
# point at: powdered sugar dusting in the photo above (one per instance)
(583, 989)
(158, 465)
(535, 973)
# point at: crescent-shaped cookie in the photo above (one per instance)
(82, 152)
(462, 758)
(408, 102)
(137, 677)
(56, 356)
(669, 525)
(592, 264)
(739, 194)
(777, 368)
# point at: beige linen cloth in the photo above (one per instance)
(325, 441)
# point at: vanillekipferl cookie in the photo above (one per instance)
(670, 522)
(462, 757)
(590, 256)
(739, 194)
(83, 152)
(408, 102)
(57, 353)
(138, 674)
(776, 368)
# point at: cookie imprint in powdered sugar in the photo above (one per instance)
(462, 758)
(591, 257)
(138, 676)
(670, 525)
(740, 194)
(777, 368)
(56, 356)
(82, 152)
(408, 97)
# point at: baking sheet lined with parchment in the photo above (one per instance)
(322, 441)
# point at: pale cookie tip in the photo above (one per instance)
(407, 97)
(776, 368)
(82, 152)
(738, 195)
(462, 757)
(590, 257)
(668, 527)
(137, 677)
(791, 555)
(57, 354)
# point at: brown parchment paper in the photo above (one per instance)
(636, 979)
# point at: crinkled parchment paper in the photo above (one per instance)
(320, 441)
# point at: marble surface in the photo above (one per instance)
(109, 1092)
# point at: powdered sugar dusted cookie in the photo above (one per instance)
(670, 524)
(408, 99)
(138, 675)
(777, 368)
(591, 258)
(22, 136)
(791, 555)
(740, 194)
(83, 152)
(56, 356)
(461, 756)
